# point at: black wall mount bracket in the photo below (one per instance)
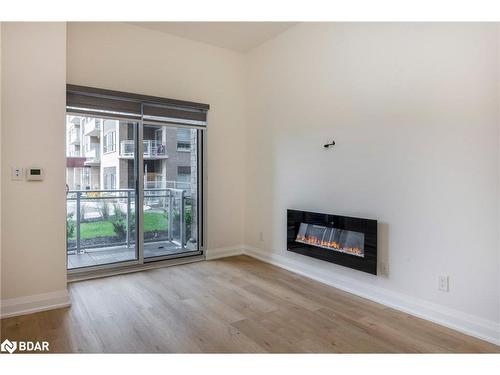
(329, 144)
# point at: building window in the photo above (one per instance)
(73, 150)
(87, 178)
(183, 177)
(109, 142)
(109, 178)
(183, 139)
(87, 143)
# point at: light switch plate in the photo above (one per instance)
(17, 174)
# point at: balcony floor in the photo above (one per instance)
(114, 254)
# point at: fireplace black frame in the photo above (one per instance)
(368, 263)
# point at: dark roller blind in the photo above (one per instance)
(95, 101)
(169, 114)
(89, 103)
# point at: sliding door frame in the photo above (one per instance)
(139, 191)
(141, 262)
(201, 201)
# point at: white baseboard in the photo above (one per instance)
(469, 324)
(223, 252)
(35, 303)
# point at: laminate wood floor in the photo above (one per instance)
(231, 305)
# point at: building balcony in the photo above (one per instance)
(74, 137)
(92, 128)
(152, 149)
(93, 156)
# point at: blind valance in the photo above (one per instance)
(95, 101)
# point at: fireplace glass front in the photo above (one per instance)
(340, 240)
(347, 241)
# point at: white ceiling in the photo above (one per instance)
(237, 36)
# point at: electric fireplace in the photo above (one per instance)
(347, 241)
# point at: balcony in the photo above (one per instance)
(74, 136)
(152, 149)
(93, 155)
(92, 128)
(101, 225)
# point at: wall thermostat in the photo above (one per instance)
(34, 174)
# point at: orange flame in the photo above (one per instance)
(313, 240)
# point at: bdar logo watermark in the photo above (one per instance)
(8, 346)
(24, 346)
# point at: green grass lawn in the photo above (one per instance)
(153, 221)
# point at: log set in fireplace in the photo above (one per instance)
(347, 241)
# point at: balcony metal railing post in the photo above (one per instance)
(128, 219)
(170, 216)
(78, 211)
(182, 221)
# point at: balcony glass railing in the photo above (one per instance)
(152, 149)
(168, 184)
(105, 219)
(93, 157)
(93, 151)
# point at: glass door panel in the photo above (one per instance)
(101, 191)
(170, 166)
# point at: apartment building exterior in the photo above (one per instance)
(100, 155)
(83, 152)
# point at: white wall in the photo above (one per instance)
(498, 82)
(130, 58)
(0, 162)
(414, 111)
(498, 185)
(33, 66)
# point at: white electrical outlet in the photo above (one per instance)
(261, 236)
(16, 174)
(444, 283)
(384, 268)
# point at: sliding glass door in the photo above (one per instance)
(170, 182)
(133, 192)
(101, 174)
(134, 178)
